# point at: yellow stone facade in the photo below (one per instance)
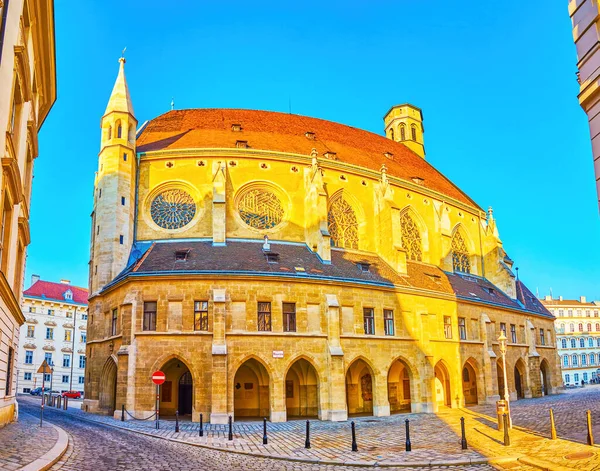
(27, 92)
(362, 303)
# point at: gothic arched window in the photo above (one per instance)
(413, 133)
(402, 132)
(411, 239)
(392, 134)
(110, 132)
(460, 254)
(342, 224)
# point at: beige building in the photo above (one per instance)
(55, 330)
(577, 328)
(585, 16)
(27, 92)
(275, 265)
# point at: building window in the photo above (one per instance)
(122, 201)
(149, 315)
(66, 361)
(575, 360)
(585, 376)
(563, 343)
(369, 320)
(125, 157)
(173, 209)
(411, 238)
(598, 342)
(83, 337)
(68, 335)
(27, 376)
(28, 357)
(81, 379)
(81, 361)
(413, 133)
(513, 333)
(50, 312)
(588, 313)
(447, 327)
(48, 358)
(47, 377)
(84, 317)
(69, 315)
(573, 343)
(503, 328)
(567, 378)
(576, 377)
(264, 316)
(584, 360)
(565, 361)
(289, 317)
(388, 322)
(582, 343)
(592, 358)
(560, 313)
(200, 315)
(49, 333)
(590, 342)
(542, 337)
(462, 328)
(342, 224)
(260, 208)
(460, 254)
(391, 134)
(65, 378)
(570, 312)
(572, 327)
(113, 324)
(30, 331)
(121, 239)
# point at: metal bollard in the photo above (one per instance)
(463, 439)
(200, 431)
(552, 425)
(176, 421)
(65, 403)
(265, 439)
(408, 445)
(354, 444)
(230, 437)
(590, 435)
(307, 441)
(506, 436)
(122, 412)
(57, 402)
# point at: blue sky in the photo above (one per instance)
(496, 83)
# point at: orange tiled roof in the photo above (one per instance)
(268, 130)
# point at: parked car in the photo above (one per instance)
(72, 394)
(36, 392)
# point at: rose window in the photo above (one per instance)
(260, 209)
(173, 209)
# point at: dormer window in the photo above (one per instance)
(310, 135)
(363, 266)
(417, 180)
(236, 127)
(241, 144)
(389, 155)
(489, 290)
(68, 295)
(272, 257)
(330, 155)
(181, 255)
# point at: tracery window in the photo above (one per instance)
(260, 208)
(342, 224)
(402, 132)
(460, 254)
(173, 209)
(411, 239)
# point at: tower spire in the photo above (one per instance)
(119, 98)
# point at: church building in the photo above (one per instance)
(280, 266)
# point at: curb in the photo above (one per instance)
(377, 464)
(55, 453)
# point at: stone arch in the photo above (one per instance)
(546, 377)
(360, 386)
(302, 388)
(403, 386)
(470, 378)
(177, 392)
(252, 383)
(118, 129)
(520, 378)
(422, 227)
(345, 220)
(108, 385)
(443, 390)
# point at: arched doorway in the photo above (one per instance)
(302, 390)
(251, 390)
(359, 388)
(545, 378)
(469, 384)
(176, 393)
(519, 379)
(442, 385)
(108, 386)
(399, 387)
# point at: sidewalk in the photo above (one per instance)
(27, 446)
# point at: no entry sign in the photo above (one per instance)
(158, 377)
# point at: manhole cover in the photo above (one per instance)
(582, 455)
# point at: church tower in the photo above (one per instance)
(114, 189)
(404, 123)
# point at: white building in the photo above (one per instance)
(55, 329)
(577, 328)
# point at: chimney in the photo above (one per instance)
(548, 298)
(65, 282)
(582, 299)
(266, 246)
(560, 298)
(34, 279)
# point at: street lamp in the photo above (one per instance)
(502, 340)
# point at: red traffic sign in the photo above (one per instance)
(158, 377)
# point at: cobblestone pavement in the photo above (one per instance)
(24, 441)
(569, 413)
(94, 446)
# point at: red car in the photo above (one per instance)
(72, 394)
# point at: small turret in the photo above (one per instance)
(404, 123)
